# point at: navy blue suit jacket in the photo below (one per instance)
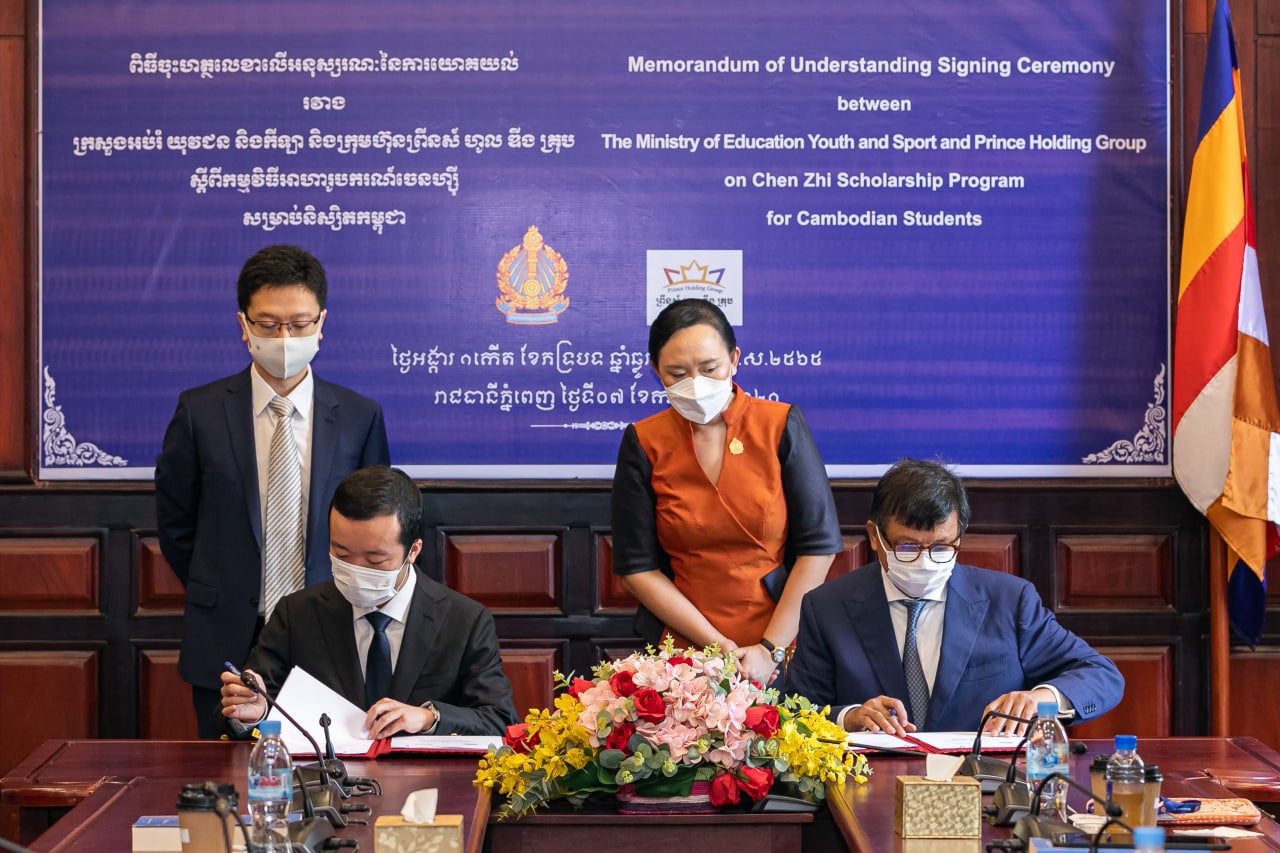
(209, 514)
(449, 654)
(997, 637)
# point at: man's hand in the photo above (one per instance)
(239, 702)
(1019, 703)
(881, 714)
(757, 663)
(388, 717)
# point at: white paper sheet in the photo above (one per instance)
(879, 740)
(447, 743)
(306, 698)
(963, 741)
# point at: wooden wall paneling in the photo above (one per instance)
(13, 237)
(509, 572)
(530, 666)
(1268, 25)
(159, 592)
(1264, 165)
(48, 574)
(1146, 710)
(1121, 571)
(612, 595)
(49, 693)
(996, 551)
(855, 554)
(1254, 676)
(164, 699)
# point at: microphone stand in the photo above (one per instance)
(1013, 797)
(989, 772)
(1032, 825)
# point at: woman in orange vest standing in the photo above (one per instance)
(723, 516)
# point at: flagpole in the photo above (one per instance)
(1219, 639)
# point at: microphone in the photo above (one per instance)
(336, 768)
(989, 772)
(327, 790)
(1032, 825)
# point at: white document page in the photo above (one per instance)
(963, 741)
(878, 740)
(306, 698)
(447, 743)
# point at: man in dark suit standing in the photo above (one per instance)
(248, 467)
(421, 658)
(916, 642)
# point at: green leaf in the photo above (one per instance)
(611, 759)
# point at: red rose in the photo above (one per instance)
(620, 737)
(517, 737)
(580, 685)
(649, 705)
(623, 683)
(762, 719)
(676, 660)
(755, 782)
(724, 790)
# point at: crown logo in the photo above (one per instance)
(532, 278)
(685, 275)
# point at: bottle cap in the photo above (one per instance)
(1099, 762)
(271, 728)
(1122, 741)
(1152, 773)
(1148, 835)
(1047, 709)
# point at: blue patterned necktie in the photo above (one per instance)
(377, 665)
(917, 687)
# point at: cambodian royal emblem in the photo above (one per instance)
(532, 278)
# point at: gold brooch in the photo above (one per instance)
(735, 447)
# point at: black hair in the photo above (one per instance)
(682, 314)
(920, 495)
(377, 491)
(281, 266)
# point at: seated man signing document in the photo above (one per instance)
(420, 657)
(916, 641)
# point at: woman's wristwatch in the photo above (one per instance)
(778, 655)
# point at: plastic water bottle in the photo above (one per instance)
(1148, 839)
(270, 789)
(1126, 781)
(1047, 752)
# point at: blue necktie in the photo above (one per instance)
(917, 687)
(377, 665)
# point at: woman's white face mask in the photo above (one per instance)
(365, 587)
(700, 398)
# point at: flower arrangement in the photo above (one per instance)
(654, 723)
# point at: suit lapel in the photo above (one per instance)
(422, 623)
(239, 413)
(333, 611)
(324, 431)
(966, 609)
(868, 611)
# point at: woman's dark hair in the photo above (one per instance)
(920, 495)
(281, 266)
(377, 491)
(682, 314)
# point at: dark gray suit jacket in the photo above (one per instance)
(209, 515)
(997, 637)
(449, 654)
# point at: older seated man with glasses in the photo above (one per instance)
(917, 641)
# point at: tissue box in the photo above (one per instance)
(927, 809)
(394, 834)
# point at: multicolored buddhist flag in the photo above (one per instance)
(1226, 422)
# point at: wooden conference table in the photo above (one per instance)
(107, 784)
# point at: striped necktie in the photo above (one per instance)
(284, 563)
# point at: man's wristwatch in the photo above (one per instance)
(778, 655)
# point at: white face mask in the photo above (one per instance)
(284, 358)
(700, 398)
(922, 576)
(364, 587)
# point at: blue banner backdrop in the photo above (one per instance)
(941, 228)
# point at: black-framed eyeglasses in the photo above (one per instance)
(909, 552)
(294, 327)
